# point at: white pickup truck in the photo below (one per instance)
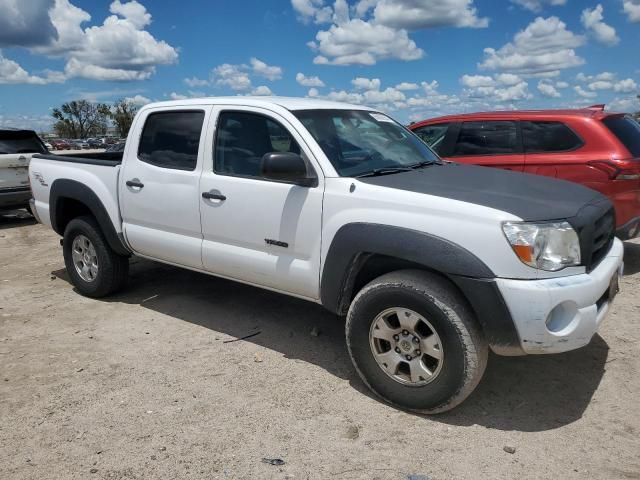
(432, 263)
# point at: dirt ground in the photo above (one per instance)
(144, 385)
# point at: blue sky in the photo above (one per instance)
(412, 58)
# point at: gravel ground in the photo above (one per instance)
(144, 385)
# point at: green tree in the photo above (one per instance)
(80, 119)
(122, 113)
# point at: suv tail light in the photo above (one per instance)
(615, 172)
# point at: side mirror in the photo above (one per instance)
(286, 167)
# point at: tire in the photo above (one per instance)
(434, 306)
(111, 270)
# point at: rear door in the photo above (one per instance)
(489, 143)
(159, 186)
(16, 148)
(552, 149)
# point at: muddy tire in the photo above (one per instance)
(415, 341)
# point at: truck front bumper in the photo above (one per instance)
(559, 314)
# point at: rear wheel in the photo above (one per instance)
(415, 342)
(94, 268)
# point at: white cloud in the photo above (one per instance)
(548, 90)
(262, 91)
(501, 87)
(584, 93)
(196, 82)
(379, 28)
(606, 76)
(133, 11)
(592, 20)
(308, 10)
(233, 76)
(544, 47)
(632, 9)
(269, 72)
(313, 93)
(26, 23)
(138, 100)
(562, 84)
(357, 42)
(627, 85)
(421, 14)
(624, 104)
(475, 81)
(430, 88)
(407, 86)
(11, 72)
(177, 96)
(119, 49)
(305, 81)
(361, 83)
(538, 5)
(600, 85)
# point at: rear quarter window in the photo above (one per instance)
(12, 142)
(627, 130)
(549, 137)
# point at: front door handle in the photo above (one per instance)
(213, 196)
(134, 183)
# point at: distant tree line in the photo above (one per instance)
(83, 119)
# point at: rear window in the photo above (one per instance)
(20, 142)
(487, 138)
(628, 132)
(548, 137)
(171, 139)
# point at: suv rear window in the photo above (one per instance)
(20, 142)
(544, 137)
(495, 137)
(627, 130)
(171, 139)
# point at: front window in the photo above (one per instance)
(358, 142)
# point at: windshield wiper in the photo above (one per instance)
(424, 163)
(383, 171)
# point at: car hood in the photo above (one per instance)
(530, 197)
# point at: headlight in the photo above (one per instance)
(547, 246)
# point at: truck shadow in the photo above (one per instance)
(533, 393)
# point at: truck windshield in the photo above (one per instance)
(358, 142)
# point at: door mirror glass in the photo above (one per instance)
(286, 167)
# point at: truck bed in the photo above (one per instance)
(105, 159)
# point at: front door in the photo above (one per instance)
(159, 187)
(256, 230)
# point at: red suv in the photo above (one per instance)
(598, 149)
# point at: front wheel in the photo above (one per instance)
(95, 269)
(415, 342)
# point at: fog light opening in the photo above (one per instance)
(561, 317)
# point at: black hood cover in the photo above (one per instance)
(530, 197)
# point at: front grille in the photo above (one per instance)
(596, 225)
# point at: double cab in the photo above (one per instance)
(432, 263)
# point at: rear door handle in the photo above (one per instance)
(134, 183)
(213, 196)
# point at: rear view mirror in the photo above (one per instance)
(286, 167)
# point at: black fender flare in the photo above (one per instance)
(355, 242)
(64, 188)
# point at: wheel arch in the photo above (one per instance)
(361, 252)
(70, 199)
